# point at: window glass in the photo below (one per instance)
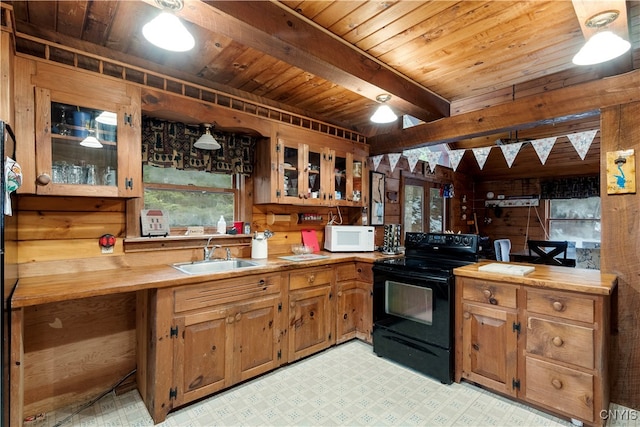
(424, 207)
(190, 198)
(413, 208)
(575, 220)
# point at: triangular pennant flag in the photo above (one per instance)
(454, 158)
(481, 155)
(510, 151)
(543, 147)
(582, 141)
(412, 157)
(432, 159)
(393, 160)
(376, 161)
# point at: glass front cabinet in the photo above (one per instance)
(87, 147)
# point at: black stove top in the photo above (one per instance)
(436, 252)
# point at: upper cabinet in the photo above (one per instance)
(87, 133)
(295, 173)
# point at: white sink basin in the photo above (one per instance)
(213, 266)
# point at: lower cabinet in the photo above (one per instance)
(311, 325)
(544, 347)
(196, 340)
(354, 303)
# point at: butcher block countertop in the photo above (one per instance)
(549, 277)
(38, 290)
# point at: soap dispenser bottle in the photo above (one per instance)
(222, 225)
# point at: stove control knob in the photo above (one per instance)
(456, 239)
(466, 240)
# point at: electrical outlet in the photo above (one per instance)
(106, 250)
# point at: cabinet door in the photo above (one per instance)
(352, 306)
(489, 347)
(203, 354)
(310, 324)
(87, 148)
(256, 338)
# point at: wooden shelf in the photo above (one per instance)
(512, 203)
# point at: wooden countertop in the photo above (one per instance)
(549, 277)
(38, 290)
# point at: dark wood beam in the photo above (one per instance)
(568, 103)
(278, 31)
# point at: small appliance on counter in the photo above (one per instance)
(259, 248)
(349, 238)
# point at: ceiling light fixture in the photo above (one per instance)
(166, 31)
(207, 141)
(383, 114)
(91, 141)
(603, 45)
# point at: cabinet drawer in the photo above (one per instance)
(310, 278)
(346, 272)
(560, 341)
(564, 389)
(218, 292)
(489, 292)
(559, 304)
(365, 272)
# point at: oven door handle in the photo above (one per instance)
(396, 272)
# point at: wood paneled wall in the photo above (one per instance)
(620, 248)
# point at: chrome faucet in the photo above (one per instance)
(209, 252)
(228, 254)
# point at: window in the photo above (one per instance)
(575, 220)
(423, 207)
(190, 198)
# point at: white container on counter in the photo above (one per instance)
(259, 248)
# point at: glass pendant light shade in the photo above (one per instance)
(207, 141)
(107, 118)
(384, 114)
(167, 32)
(91, 141)
(602, 46)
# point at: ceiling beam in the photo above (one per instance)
(280, 32)
(568, 103)
(585, 9)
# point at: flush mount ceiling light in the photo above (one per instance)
(166, 31)
(383, 114)
(603, 45)
(207, 141)
(91, 141)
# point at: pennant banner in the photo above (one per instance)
(510, 151)
(455, 156)
(412, 157)
(393, 160)
(481, 155)
(432, 159)
(376, 161)
(543, 147)
(582, 141)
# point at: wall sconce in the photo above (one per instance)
(603, 45)
(166, 31)
(383, 114)
(207, 141)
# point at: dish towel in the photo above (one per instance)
(12, 181)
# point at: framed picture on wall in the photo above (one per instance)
(377, 198)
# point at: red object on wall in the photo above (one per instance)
(107, 240)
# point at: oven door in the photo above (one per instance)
(415, 305)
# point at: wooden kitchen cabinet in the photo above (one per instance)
(65, 116)
(354, 302)
(311, 326)
(546, 347)
(199, 339)
(296, 173)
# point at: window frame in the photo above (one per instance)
(427, 185)
(549, 218)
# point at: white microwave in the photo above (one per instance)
(349, 238)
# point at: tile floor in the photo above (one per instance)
(347, 385)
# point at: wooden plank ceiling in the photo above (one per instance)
(329, 59)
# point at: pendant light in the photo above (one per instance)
(603, 45)
(383, 114)
(207, 141)
(91, 141)
(166, 31)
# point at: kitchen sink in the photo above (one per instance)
(214, 266)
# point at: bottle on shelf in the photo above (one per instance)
(222, 225)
